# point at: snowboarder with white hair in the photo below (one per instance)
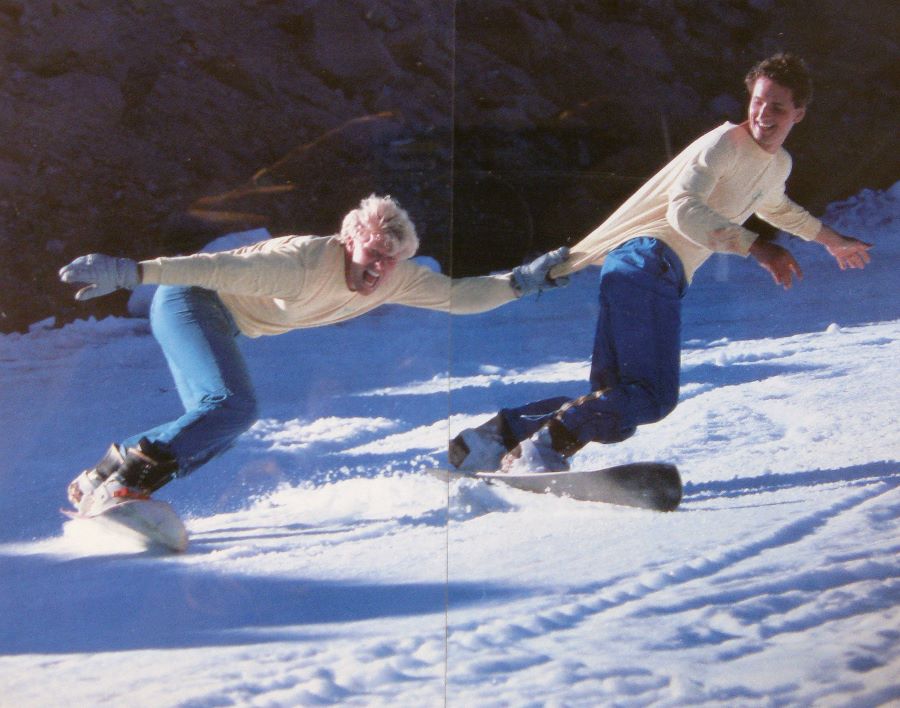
(206, 300)
(649, 249)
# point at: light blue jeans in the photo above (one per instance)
(636, 359)
(199, 339)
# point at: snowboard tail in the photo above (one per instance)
(149, 520)
(646, 485)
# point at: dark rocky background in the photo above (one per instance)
(146, 127)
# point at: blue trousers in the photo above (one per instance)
(199, 339)
(636, 358)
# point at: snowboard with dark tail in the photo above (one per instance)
(647, 485)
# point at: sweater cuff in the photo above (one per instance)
(811, 229)
(745, 241)
(150, 272)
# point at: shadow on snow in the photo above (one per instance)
(126, 603)
(887, 472)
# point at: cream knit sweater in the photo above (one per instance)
(294, 282)
(698, 202)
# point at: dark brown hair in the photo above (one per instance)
(787, 70)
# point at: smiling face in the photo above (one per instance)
(376, 236)
(367, 264)
(772, 114)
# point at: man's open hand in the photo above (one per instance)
(849, 252)
(782, 266)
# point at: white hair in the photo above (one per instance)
(383, 219)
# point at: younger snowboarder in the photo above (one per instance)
(649, 250)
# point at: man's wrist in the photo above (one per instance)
(758, 247)
(827, 236)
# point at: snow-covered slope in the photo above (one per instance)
(326, 568)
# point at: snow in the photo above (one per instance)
(326, 567)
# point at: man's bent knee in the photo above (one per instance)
(241, 411)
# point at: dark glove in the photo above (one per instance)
(103, 275)
(535, 276)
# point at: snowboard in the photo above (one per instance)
(151, 521)
(646, 485)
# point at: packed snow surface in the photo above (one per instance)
(326, 567)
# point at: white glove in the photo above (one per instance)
(535, 276)
(103, 275)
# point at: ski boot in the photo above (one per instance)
(86, 482)
(145, 469)
(547, 450)
(481, 449)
